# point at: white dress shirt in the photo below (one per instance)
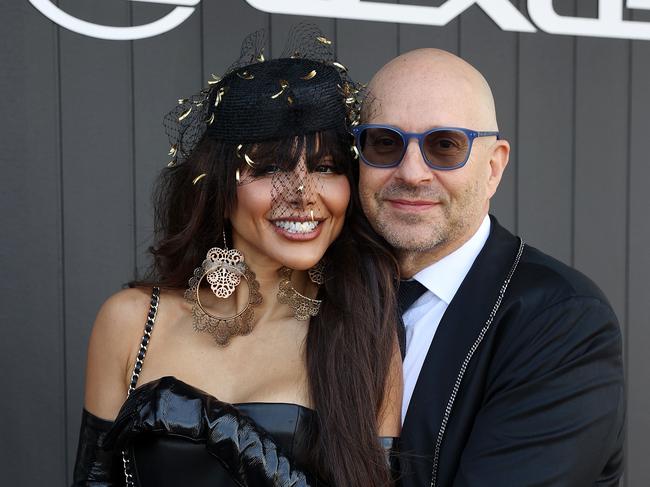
(442, 279)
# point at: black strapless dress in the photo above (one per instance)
(169, 456)
(173, 434)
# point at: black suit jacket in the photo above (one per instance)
(539, 395)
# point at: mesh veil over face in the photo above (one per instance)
(288, 120)
(297, 172)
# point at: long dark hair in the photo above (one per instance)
(350, 342)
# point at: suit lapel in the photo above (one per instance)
(457, 331)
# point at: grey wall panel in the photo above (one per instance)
(601, 168)
(97, 137)
(32, 448)
(165, 68)
(364, 47)
(225, 24)
(545, 144)
(416, 36)
(494, 53)
(638, 262)
(602, 79)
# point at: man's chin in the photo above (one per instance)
(408, 242)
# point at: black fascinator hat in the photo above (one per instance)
(303, 91)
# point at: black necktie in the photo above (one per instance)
(407, 293)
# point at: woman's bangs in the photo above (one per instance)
(285, 154)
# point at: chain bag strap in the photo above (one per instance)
(148, 327)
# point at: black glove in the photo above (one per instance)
(94, 466)
(171, 406)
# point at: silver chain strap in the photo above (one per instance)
(137, 368)
(465, 364)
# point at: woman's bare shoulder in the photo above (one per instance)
(113, 341)
(123, 313)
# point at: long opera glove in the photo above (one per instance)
(94, 466)
(250, 454)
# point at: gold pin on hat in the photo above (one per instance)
(185, 115)
(284, 84)
(248, 160)
(217, 98)
(198, 178)
(245, 75)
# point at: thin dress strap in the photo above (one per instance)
(139, 360)
(148, 327)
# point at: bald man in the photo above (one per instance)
(512, 370)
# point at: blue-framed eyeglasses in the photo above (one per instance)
(443, 148)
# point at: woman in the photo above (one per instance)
(279, 357)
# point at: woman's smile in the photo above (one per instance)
(298, 228)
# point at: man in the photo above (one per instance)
(512, 371)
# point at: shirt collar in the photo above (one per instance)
(443, 278)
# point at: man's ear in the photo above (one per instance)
(498, 162)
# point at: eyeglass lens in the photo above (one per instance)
(384, 146)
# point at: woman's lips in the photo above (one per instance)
(298, 229)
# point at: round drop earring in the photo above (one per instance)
(223, 269)
(303, 307)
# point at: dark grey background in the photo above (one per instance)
(81, 142)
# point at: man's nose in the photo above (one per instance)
(413, 169)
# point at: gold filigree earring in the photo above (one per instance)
(223, 269)
(317, 273)
(303, 307)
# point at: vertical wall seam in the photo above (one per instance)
(202, 43)
(628, 228)
(134, 200)
(574, 150)
(398, 36)
(517, 131)
(335, 36)
(459, 36)
(62, 293)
